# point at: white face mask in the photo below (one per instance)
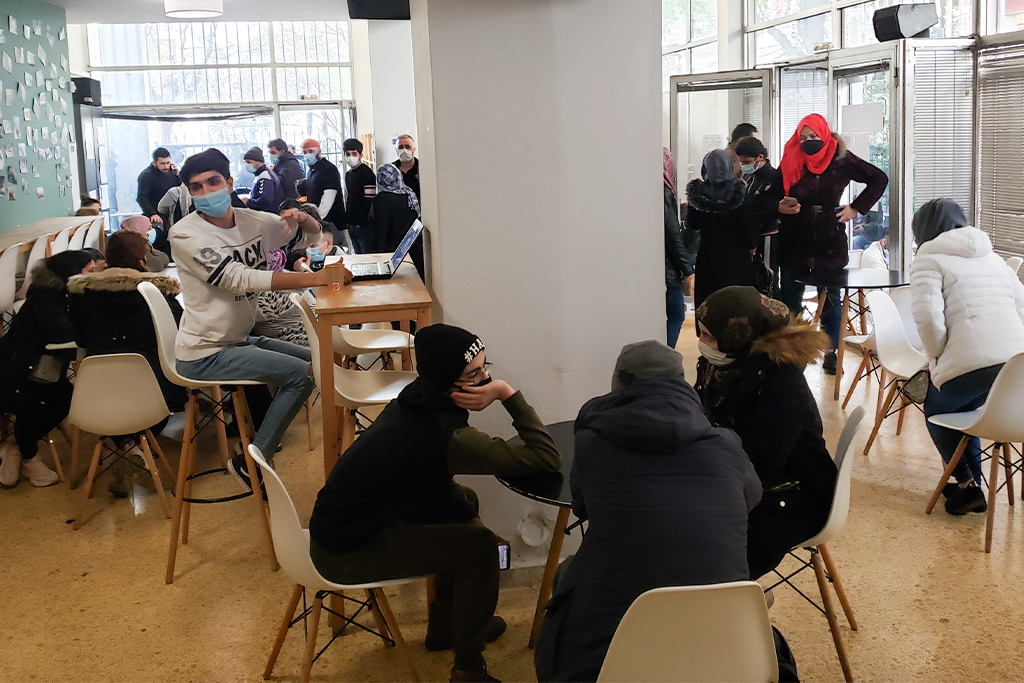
(714, 356)
(748, 168)
(405, 155)
(251, 167)
(352, 161)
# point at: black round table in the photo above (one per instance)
(848, 279)
(552, 489)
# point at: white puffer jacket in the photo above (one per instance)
(967, 303)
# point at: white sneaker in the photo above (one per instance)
(38, 473)
(10, 468)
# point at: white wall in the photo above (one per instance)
(359, 45)
(394, 96)
(540, 150)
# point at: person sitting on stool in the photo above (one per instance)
(390, 508)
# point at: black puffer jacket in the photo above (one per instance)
(727, 234)
(42, 320)
(110, 316)
(765, 399)
(667, 496)
(678, 257)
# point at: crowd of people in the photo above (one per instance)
(679, 484)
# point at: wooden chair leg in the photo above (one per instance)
(378, 618)
(147, 457)
(179, 490)
(94, 467)
(282, 632)
(348, 429)
(76, 439)
(56, 459)
(863, 368)
(837, 584)
(1008, 466)
(158, 456)
(307, 656)
(881, 389)
(396, 633)
(880, 416)
(903, 409)
(821, 307)
(190, 455)
(222, 434)
(946, 472)
(993, 489)
(830, 615)
(309, 421)
(241, 408)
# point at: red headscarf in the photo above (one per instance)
(669, 167)
(794, 161)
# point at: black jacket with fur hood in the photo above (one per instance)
(110, 316)
(727, 234)
(765, 399)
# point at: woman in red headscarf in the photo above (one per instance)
(816, 169)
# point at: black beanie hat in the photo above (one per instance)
(443, 352)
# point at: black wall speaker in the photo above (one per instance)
(904, 21)
(86, 91)
(378, 9)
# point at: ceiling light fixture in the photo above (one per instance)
(193, 9)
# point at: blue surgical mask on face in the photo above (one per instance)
(748, 168)
(273, 158)
(152, 236)
(250, 167)
(310, 158)
(214, 204)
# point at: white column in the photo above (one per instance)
(362, 90)
(391, 79)
(540, 153)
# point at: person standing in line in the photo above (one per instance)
(394, 210)
(154, 181)
(286, 166)
(361, 185)
(266, 188)
(764, 192)
(715, 208)
(323, 185)
(816, 170)
(741, 131)
(408, 164)
(678, 259)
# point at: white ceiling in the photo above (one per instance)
(143, 11)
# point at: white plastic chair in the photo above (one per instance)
(820, 558)
(856, 256)
(77, 240)
(118, 394)
(865, 345)
(897, 357)
(92, 237)
(8, 281)
(291, 542)
(349, 344)
(166, 329)
(716, 633)
(901, 297)
(999, 421)
(1014, 262)
(61, 241)
(35, 255)
(353, 389)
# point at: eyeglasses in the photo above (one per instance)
(478, 375)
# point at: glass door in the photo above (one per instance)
(705, 108)
(865, 103)
(803, 90)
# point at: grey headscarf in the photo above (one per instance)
(718, 167)
(646, 360)
(936, 217)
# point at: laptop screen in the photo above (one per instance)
(406, 245)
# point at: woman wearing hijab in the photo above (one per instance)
(969, 309)
(816, 169)
(155, 260)
(750, 378)
(34, 384)
(392, 214)
(715, 207)
(678, 259)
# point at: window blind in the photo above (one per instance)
(1000, 150)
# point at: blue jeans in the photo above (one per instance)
(675, 310)
(959, 395)
(861, 241)
(791, 293)
(261, 359)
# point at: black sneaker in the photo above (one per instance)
(970, 499)
(236, 466)
(829, 364)
(949, 489)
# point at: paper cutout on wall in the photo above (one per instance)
(12, 24)
(19, 54)
(37, 27)
(8, 66)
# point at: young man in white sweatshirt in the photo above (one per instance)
(221, 254)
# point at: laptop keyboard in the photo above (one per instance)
(366, 269)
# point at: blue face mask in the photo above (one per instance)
(310, 158)
(214, 204)
(152, 236)
(748, 168)
(273, 158)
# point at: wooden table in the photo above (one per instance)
(27, 234)
(404, 297)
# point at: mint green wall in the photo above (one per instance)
(53, 161)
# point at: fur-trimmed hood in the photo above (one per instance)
(45, 278)
(795, 344)
(121, 280)
(708, 198)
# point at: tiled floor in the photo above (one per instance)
(92, 605)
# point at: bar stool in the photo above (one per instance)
(165, 328)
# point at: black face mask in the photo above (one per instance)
(811, 147)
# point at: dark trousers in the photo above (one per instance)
(791, 293)
(464, 558)
(40, 408)
(958, 395)
(675, 310)
(362, 238)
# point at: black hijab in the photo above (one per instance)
(936, 217)
(68, 263)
